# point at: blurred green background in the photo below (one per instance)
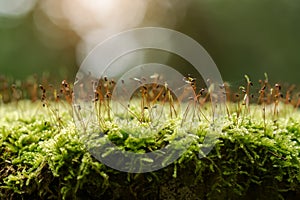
(243, 37)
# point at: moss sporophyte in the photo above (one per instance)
(256, 155)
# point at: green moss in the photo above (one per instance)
(254, 158)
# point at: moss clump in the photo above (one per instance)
(43, 158)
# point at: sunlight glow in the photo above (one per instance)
(96, 20)
(16, 7)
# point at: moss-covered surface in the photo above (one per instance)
(42, 157)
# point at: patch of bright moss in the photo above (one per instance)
(42, 157)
